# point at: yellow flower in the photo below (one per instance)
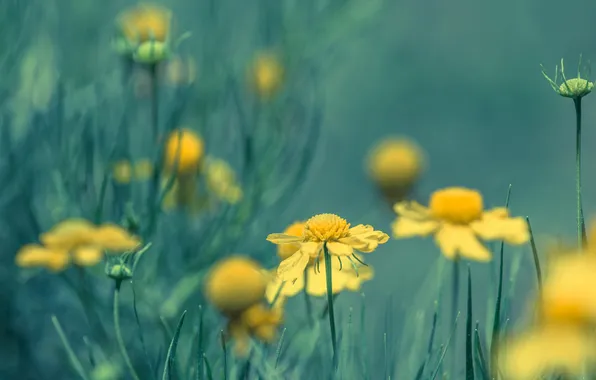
(457, 219)
(235, 284)
(75, 240)
(395, 165)
(221, 180)
(267, 74)
(145, 22)
(124, 171)
(325, 230)
(257, 322)
(344, 277)
(185, 148)
(538, 351)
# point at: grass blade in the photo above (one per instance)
(535, 256)
(494, 365)
(469, 352)
(444, 352)
(74, 361)
(171, 357)
(200, 352)
(479, 358)
(208, 368)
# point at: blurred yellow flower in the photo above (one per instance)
(221, 180)
(561, 336)
(75, 240)
(124, 171)
(345, 276)
(258, 322)
(457, 219)
(145, 22)
(185, 148)
(395, 165)
(329, 230)
(235, 284)
(266, 74)
(539, 351)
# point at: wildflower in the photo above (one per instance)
(575, 88)
(142, 24)
(326, 230)
(75, 240)
(123, 171)
(457, 219)
(184, 153)
(266, 74)
(562, 334)
(221, 180)
(122, 267)
(395, 165)
(345, 277)
(236, 287)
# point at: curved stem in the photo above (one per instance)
(581, 232)
(121, 345)
(75, 362)
(330, 303)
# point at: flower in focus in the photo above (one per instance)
(221, 180)
(561, 336)
(395, 165)
(325, 230)
(236, 287)
(266, 74)
(344, 277)
(575, 88)
(457, 219)
(286, 250)
(77, 241)
(142, 24)
(124, 172)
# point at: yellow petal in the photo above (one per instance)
(115, 238)
(283, 239)
(292, 267)
(87, 256)
(311, 249)
(494, 226)
(405, 227)
(361, 229)
(317, 281)
(460, 240)
(541, 350)
(339, 249)
(68, 234)
(33, 255)
(411, 210)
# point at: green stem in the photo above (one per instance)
(330, 303)
(121, 345)
(74, 361)
(454, 308)
(578, 176)
(307, 299)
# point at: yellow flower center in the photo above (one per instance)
(456, 205)
(326, 227)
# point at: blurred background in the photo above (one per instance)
(462, 79)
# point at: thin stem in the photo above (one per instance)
(121, 345)
(74, 361)
(330, 303)
(454, 308)
(578, 166)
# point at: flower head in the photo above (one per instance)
(221, 180)
(575, 88)
(267, 74)
(184, 151)
(257, 322)
(395, 165)
(235, 284)
(330, 231)
(457, 219)
(76, 240)
(143, 23)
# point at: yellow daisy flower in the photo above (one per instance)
(77, 241)
(457, 219)
(257, 322)
(562, 336)
(345, 277)
(325, 230)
